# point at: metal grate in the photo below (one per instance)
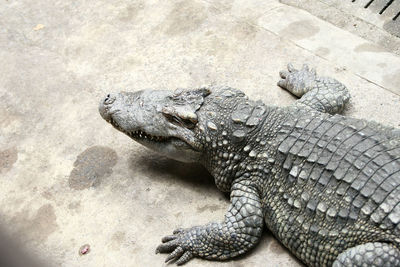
(386, 6)
(382, 6)
(388, 9)
(395, 17)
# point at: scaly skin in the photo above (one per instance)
(327, 186)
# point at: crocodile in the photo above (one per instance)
(327, 186)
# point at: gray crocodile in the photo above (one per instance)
(327, 186)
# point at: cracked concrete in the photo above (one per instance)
(69, 179)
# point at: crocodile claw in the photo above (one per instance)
(180, 256)
(290, 67)
(175, 245)
(284, 74)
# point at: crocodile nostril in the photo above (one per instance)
(109, 99)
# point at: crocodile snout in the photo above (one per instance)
(104, 106)
(110, 98)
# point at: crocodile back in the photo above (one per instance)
(338, 184)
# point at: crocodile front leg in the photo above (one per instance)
(324, 94)
(239, 232)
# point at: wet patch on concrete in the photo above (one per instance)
(76, 205)
(7, 159)
(322, 51)
(300, 30)
(91, 167)
(368, 47)
(39, 227)
(245, 30)
(44, 223)
(185, 16)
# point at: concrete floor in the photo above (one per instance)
(69, 179)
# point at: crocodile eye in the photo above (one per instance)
(181, 117)
(187, 123)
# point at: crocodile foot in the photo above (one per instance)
(297, 82)
(178, 245)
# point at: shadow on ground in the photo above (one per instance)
(155, 166)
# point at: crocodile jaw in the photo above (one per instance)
(138, 115)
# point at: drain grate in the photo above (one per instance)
(375, 20)
(383, 7)
(387, 10)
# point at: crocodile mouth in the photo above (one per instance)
(156, 142)
(143, 135)
(139, 134)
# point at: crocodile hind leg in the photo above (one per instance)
(369, 254)
(321, 93)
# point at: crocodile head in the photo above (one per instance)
(161, 120)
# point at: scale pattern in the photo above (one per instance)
(338, 186)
